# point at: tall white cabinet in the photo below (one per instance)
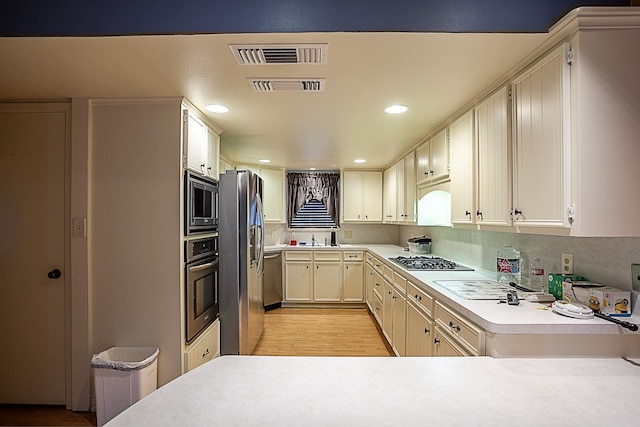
(541, 124)
(463, 170)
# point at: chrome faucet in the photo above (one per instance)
(313, 240)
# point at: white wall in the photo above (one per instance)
(135, 230)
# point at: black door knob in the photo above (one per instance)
(54, 274)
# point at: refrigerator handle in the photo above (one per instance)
(260, 225)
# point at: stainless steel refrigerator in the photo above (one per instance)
(241, 255)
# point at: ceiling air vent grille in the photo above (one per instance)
(280, 54)
(287, 85)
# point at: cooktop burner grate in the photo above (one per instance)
(428, 263)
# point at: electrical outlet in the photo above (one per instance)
(348, 234)
(274, 234)
(635, 277)
(567, 264)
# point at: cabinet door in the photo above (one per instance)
(400, 206)
(327, 282)
(353, 282)
(444, 345)
(494, 166)
(541, 181)
(387, 310)
(273, 197)
(420, 333)
(399, 322)
(211, 153)
(369, 281)
(352, 190)
(371, 196)
(462, 170)
(205, 348)
(439, 156)
(410, 195)
(390, 188)
(298, 284)
(422, 163)
(195, 141)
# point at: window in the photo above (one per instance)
(313, 199)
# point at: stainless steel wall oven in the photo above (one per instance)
(201, 282)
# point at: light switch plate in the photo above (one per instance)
(79, 226)
(635, 277)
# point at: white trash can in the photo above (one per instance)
(122, 376)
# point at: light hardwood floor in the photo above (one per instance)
(321, 332)
(43, 415)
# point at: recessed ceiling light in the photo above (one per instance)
(217, 108)
(359, 161)
(264, 161)
(396, 109)
(312, 169)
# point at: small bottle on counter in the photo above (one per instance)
(537, 277)
(508, 265)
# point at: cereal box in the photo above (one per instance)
(555, 283)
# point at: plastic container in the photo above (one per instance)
(122, 376)
(537, 279)
(508, 265)
(419, 245)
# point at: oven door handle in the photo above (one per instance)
(201, 267)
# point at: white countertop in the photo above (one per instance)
(528, 317)
(372, 391)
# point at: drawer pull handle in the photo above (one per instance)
(206, 353)
(418, 297)
(452, 326)
(426, 331)
(436, 341)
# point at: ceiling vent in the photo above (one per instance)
(255, 54)
(287, 85)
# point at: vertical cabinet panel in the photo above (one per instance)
(462, 170)
(540, 121)
(493, 161)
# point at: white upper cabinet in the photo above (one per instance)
(362, 196)
(390, 196)
(432, 159)
(273, 195)
(541, 142)
(407, 187)
(493, 161)
(201, 144)
(462, 170)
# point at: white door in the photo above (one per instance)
(33, 140)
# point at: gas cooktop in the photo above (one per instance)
(428, 263)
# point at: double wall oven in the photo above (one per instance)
(202, 305)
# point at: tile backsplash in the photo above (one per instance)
(604, 260)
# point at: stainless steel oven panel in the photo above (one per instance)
(202, 297)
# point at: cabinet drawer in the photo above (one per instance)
(204, 348)
(423, 300)
(298, 255)
(400, 283)
(352, 256)
(469, 335)
(387, 272)
(370, 259)
(377, 265)
(327, 256)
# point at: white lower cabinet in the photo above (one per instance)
(420, 332)
(445, 345)
(204, 348)
(465, 335)
(324, 276)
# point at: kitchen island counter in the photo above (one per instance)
(331, 391)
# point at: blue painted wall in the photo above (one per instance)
(127, 17)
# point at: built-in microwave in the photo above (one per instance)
(201, 204)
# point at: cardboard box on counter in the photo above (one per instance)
(555, 283)
(600, 298)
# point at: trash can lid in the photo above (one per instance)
(125, 358)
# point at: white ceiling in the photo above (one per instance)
(435, 74)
